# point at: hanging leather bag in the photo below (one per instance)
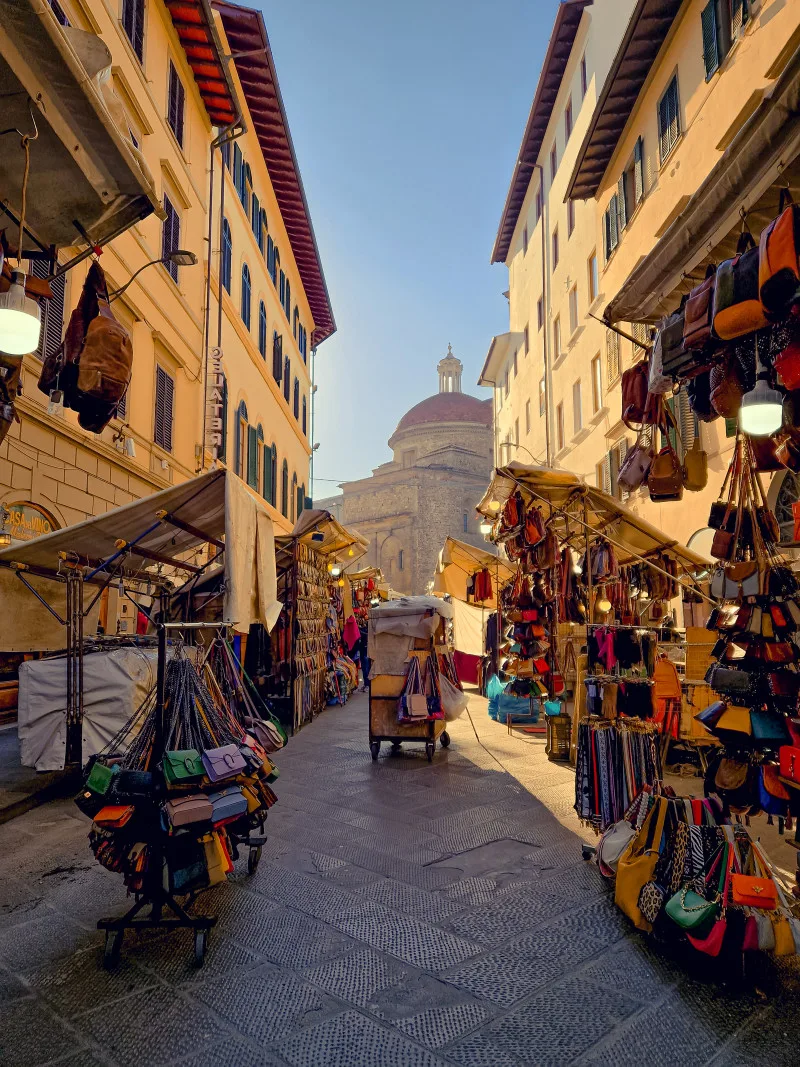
(726, 386)
(695, 468)
(675, 359)
(778, 267)
(737, 307)
(637, 864)
(698, 313)
(787, 364)
(665, 479)
(637, 406)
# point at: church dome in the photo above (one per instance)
(447, 407)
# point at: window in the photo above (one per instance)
(295, 321)
(608, 470)
(276, 263)
(170, 236)
(122, 406)
(302, 342)
(296, 399)
(612, 355)
(253, 456)
(584, 77)
(226, 154)
(400, 560)
(59, 13)
(505, 383)
(597, 385)
(227, 254)
(270, 259)
(669, 123)
(570, 217)
(241, 440)
(287, 375)
(301, 499)
(577, 408)
(238, 164)
(542, 396)
(162, 424)
(721, 23)
(556, 337)
(176, 103)
(630, 186)
(294, 497)
(465, 523)
(515, 364)
(255, 218)
(525, 344)
(560, 426)
(246, 187)
(540, 312)
(516, 431)
(277, 356)
(246, 295)
(270, 492)
(524, 240)
(527, 417)
(262, 240)
(538, 202)
(304, 422)
(287, 303)
(555, 248)
(285, 489)
(282, 289)
(568, 120)
(573, 309)
(594, 281)
(553, 162)
(262, 329)
(133, 25)
(610, 230)
(641, 332)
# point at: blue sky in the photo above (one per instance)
(406, 120)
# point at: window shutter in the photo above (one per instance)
(252, 457)
(687, 420)
(622, 215)
(162, 428)
(607, 473)
(663, 126)
(296, 399)
(176, 104)
(607, 233)
(305, 415)
(730, 427)
(52, 310)
(708, 19)
(739, 16)
(266, 488)
(613, 223)
(133, 24)
(638, 170)
(277, 357)
(222, 450)
(620, 452)
(287, 372)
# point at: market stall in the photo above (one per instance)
(412, 677)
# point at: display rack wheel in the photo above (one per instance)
(113, 948)
(444, 740)
(200, 946)
(396, 746)
(429, 748)
(253, 859)
(374, 747)
(588, 852)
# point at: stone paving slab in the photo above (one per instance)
(403, 914)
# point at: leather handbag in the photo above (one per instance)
(676, 361)
(727, 388)
(698, 313)
(635, 395)
(789, 756)
(710, 716)
(711, 944)
(731, 774)
(100, 777)
(184, 811)
(729, 682)
(227, 805)
(778, 269)
(612, 844)
(787, 365)
(736, 719)
(636, 466)
(637, 864)
(695, 468)
(737, 307)
(691, 911)
(698, 390)
(182, 765)
(224, 762)
(114, 816)
(769, 727)
(665, 479)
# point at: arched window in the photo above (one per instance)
(276, 265)
(282, 290)
(301, 499)
(255, 445)
(255, 218)
(247, 188)
(285, 489)
(237, 169)
(262, 329)
(246, 295)
(227, 254)
(295, 321)
(277, 356)
(240, 457)
(270, 258)
(305, 418)
(296, 399)
(269, 491)
(287, 373)
(294, 498)
(287, 302)
(400, 560)
(262, 244)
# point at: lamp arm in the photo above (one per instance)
(118, 292)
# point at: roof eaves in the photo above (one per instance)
(558, 52)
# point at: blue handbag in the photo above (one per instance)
(771, 805)
(552, 707)
(769, 726)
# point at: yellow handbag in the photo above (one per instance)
(784, 938)
(216, 858)
(253, 803)
(637, 864)
(735, 718)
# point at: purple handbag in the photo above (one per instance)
(635, 467)
(223, 762)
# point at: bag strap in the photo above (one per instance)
(745, 242)
(785, 198)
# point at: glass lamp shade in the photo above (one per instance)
(762, 410)
(485, 528)
(336, 570)
(20, 323)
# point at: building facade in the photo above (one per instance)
(547, 378)
(196, 373)
(442, 459)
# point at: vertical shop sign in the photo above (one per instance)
(215, 401)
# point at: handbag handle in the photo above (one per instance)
(784, 199)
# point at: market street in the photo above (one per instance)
(403, 913)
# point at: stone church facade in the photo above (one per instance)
(441, 465)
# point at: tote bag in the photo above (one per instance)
(637, 864)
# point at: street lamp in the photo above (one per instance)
(180, 257)
(516, 444)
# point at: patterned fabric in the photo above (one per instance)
(680, 854)
(651, 900)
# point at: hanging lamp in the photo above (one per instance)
(761, 412)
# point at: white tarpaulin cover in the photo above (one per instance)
(114, 685)
(29, 626)
(217, 503)
(394, 625)
(469, 624)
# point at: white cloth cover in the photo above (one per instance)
(251, 593)
(115, 684)
(469, 627)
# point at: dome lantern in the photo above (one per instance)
(450, 369)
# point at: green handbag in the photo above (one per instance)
(692, 912)
(99, 780)
(182, 765)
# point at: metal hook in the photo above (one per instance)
(25, 136)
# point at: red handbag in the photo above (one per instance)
(789, 756)
(787, 364)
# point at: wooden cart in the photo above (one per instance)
(384, 692)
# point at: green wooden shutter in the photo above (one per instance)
(252, 457)
(708, 19)
(638, 170)
(622, 213)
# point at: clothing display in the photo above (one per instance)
(615, 761)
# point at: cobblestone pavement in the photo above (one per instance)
(404, 914)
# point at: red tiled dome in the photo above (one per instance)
(448, 407)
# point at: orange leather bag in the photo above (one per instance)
(778, 266)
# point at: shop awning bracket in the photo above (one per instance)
(40, 598)
(187, 527)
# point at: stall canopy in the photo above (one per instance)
(322, 532)
(175, 524)
(458, 561)
(84, 170)
(560, 491)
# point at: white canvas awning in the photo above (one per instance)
(325, 534)
(211, 507)
(458, 562)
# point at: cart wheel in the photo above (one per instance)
(374, 747)
(200, 945)
(444, 739)
(113, 948)
(588, 852)
(429, 747)
(396, 746)
(253, 859)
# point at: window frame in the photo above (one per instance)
(553, 161)
(568, 119)
(665, 153)
(262, 329)
(246, 300)
(577, 407)
(594, 277)
(596, 371)
(560, 432)
(226, 256)
(574, 320)
(554, 249)
(527, 416)
(557, 338)
(570, 218)
(176, 100)
(164, 419)
(584, 77)
(135, 7)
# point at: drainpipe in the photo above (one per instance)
(548, 374)
(312, 414)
